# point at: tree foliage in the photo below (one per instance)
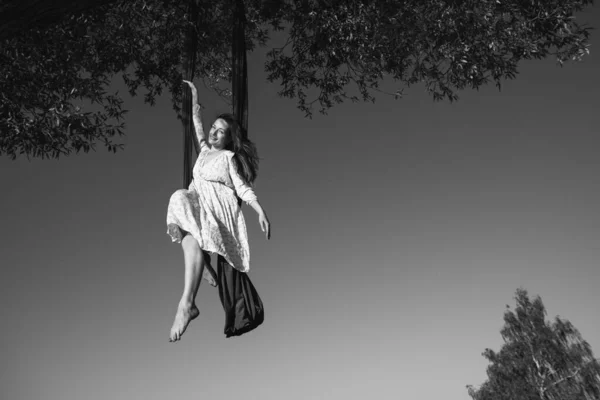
(43, 76)
(448, 45)
(17, 15)
(336, 50)
(539, 360)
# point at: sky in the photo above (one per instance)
(400, 231)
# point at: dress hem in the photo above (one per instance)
(176, 234)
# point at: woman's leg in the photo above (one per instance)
(194, 265)
(209, 273)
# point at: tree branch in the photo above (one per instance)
(561, 380)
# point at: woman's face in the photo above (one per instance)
(218, 136)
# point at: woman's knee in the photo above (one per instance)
(190, 246)
(178, 195)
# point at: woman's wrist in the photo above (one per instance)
(256, 206)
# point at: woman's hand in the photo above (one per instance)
(265, 225)
(194, 92)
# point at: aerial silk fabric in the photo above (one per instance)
(243, 307)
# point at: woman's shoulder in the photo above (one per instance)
(228, 153)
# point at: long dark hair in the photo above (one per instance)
(245, 153)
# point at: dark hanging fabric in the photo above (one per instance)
(243, 307)
(239, 81)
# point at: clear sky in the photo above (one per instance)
(401, 229)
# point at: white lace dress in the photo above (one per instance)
(209, 209)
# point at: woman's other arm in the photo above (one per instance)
(265, 225)
(246, 193)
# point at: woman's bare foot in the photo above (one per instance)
(185, 314)
(210, 276)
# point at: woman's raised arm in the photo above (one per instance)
(196, 116)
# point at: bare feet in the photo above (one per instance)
(184, 315)
(210, 276)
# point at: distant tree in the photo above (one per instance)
(539, 360)
(336, 50)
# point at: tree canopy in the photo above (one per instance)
(336, 50)
(539, 360)
(17, 15)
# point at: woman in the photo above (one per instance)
(207, 216)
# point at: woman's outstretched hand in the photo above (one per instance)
(194, 92)
(265, 225)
